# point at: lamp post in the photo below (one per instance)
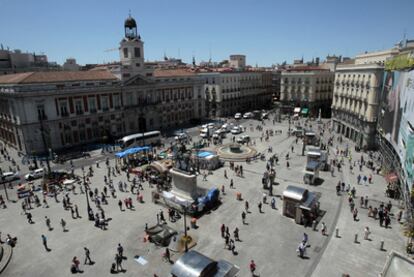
(88, 206)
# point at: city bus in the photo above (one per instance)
(141, 139)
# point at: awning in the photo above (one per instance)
(305, 111)
(392, 177)
(296, 110)
(131, 151)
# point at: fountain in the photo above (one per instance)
(235, 152)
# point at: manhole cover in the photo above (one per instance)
(317, 249)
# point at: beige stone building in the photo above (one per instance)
(228, 91)
(308, 89)
(355, 102)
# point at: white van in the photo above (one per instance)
(35, 174)
(9, 176)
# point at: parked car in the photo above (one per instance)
(9, 176)
(35, 174)
(238, 116)
(236, 130)
(248, 115)
(243, 139)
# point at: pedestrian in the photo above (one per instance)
(29, 218)
(246, 206)
(305, 238)
(120, 205)
(287, 164)
(72, 212)
(75, 263)
(243, 215)
(118, 262)
(231, 183)
(162, 218)
(47, 220)
(323, 229)
(77, 211)
(236, 234)
(260, 207)
(222, 230)
(273, 203)
(252, 267)
(63, 223)
(367, 232)
(44, 241)
(120, 250)
(225, 174)
(167, 255)
(355, 214)
(387, 220)
(88, 256)
(366, 202)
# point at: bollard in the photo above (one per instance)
(356, 238)
(382, 245)
(314, 223)
(337, 232)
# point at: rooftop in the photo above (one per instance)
(56, 76)
(172, 72)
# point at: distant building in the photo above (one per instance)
(71, 65)
(307, 89)
(237, 61)
(379, 57)
(16, 61)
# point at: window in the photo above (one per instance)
(92, 104)
(41, 112)
(137, 64)
(63, 107)
(116, 101)
(137, 52)
(125, 52)
(105, 103)
(78, 107)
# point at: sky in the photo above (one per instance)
(266, 31)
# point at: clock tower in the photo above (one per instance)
(131, 51)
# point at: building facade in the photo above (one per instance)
(307, 88)
(52, 111)
(355, 102)
(230, 92)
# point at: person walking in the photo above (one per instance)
(231, 183)
(29, 218)
(222, 230)
(260, 207)
(75, 263)
(88, 256)
(118, 262)
(77, 211)
(252, 267)
(63, 223)
(355, 214)
(323, 229)
(236, 234)
(273, 203)
(120, 205)
(367, 232)
(44, 241)
(246, 206)
(120, 250)
(243, 215)
(48, 224)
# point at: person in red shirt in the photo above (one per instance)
(252, 267)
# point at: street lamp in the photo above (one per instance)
(88, 206)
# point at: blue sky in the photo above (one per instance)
(264, 30)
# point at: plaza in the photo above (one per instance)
(268, 238)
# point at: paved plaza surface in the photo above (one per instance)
(269, 238)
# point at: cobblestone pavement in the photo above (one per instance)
(269, 238)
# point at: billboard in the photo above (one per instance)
(397, 118)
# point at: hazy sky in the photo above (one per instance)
(264, 30)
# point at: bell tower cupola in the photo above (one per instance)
(131, 51)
